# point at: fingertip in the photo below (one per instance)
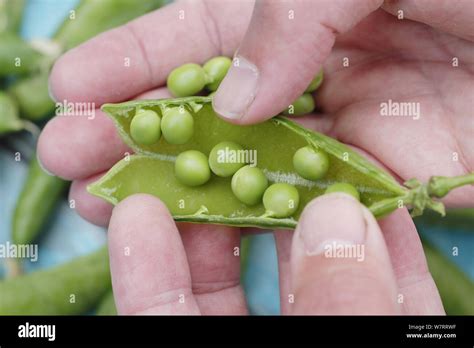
(137, 205)
(140, 222)
(338, 217)
(77, 147)
(50, 152)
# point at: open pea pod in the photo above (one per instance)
(151, 169)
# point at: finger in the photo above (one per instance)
(417, 292)
(283, 239)
(454, 18)
(157, 93)
(318, 122)
(339, 261)
(285, 46)
(130, 60)
(215, 267)
(76, 147)
(150, 272)
(91, 208)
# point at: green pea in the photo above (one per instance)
(301, 106)
(177, 126)
(216, 69)
(145, 127)
(314, 85)
(191, 168)
(225, 160)
(344, 188)
(311, 164)
(281, 200)
(187, 80)
(248, 185)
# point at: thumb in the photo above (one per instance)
(339, 261)
(281, 53)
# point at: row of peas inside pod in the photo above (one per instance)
(229, 159)
(190, 79)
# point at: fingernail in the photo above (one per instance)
(332, 221)
(238, 89)
(42, 166)
(50, 91)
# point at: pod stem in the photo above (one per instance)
(439, 186)
(422, 196)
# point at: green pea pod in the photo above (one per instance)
(17, 56)
(11, 12)
(68, 289)
(37, 200)
(92, 17)
(107, 305)
(9, 116)
(33, 98)
(455, 288)
(151, 169)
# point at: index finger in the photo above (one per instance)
(129, 60)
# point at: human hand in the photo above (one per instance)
(158, 270)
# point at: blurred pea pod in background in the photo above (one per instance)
(107, 305)
(90, 18)
(11, 12)
(455, 288)
(9, 115)
(37, 200)
(32, 95)
(17, 57)
(71, 288)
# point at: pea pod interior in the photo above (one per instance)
(151, 169)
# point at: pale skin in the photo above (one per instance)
(405, 60)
